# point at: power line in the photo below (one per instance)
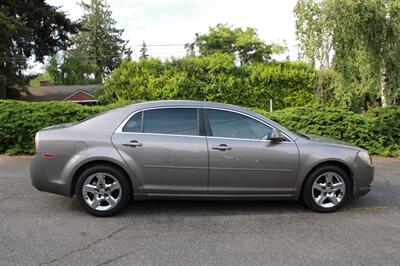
(289, 47)
(154, 45)
(158, 45)
(161, 45)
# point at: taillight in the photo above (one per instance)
(48, 155)
(37, 142)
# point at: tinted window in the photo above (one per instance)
(233, 125)
(180, 121)
(134, 124)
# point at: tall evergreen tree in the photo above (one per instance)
(100, 40)
(29, 28)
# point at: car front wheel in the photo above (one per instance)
(327, 189)
(103, 190)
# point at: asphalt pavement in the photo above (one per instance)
(38, 228)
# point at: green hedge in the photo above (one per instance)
(213, 78)
(19, 121)
(377, 131)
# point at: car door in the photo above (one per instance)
(242, 162)
(165, 150)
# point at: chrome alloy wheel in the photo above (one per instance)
(328, 190)
(101, 191)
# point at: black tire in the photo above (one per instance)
(125, 187)
(307, 194)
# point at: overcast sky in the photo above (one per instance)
(161, 22)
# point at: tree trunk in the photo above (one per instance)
(394, 96)
(394, 87)
(384, 88)
(3, 92)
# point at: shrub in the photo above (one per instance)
(19, 121)
(378, 130)
(213, 78)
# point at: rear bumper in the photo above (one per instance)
(45, 178)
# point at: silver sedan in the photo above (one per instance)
(194, 150)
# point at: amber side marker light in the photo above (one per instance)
(48, 155)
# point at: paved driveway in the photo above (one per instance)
(41, 228)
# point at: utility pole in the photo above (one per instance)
(270, 105)
(143, 52)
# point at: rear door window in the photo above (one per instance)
(176, 121)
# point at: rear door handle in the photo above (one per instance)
(222, 147)
(133, 143)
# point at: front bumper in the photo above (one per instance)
(363, 177)
(362, 191)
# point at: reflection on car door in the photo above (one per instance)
(165, 150)
(241, 162)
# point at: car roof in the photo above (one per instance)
(161, 103)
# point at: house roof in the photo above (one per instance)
(57, 93)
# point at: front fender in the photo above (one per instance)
(313, 155)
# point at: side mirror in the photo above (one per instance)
(276, 135)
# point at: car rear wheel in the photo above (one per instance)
(103, 190)
(326, 189)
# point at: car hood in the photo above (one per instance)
(330, 141)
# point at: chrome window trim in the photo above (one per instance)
(122, 125)
(161, 134)
(251, 117)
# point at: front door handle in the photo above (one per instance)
(222, 147)
(133, 143)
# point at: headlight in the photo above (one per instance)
(363, 155)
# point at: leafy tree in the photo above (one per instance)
(313, 33)
(143, 52)
(100, 40)
(29, 28)
(245, 45)
(71, 68)
(364, 36)
(53, 72)
(77, 69)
